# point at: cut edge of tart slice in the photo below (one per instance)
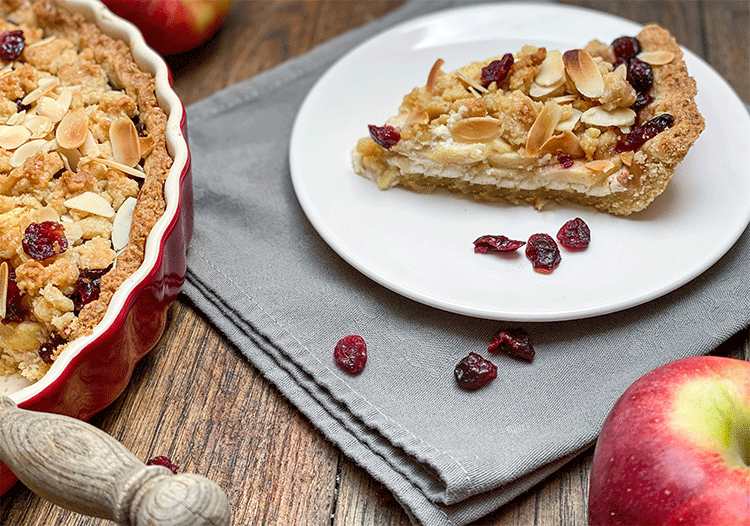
(596, 126)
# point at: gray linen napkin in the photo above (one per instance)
(262, 276)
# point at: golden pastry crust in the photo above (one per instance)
(503, 142)
(107, 86)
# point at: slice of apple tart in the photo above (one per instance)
(603, 126)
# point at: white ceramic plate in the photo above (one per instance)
(421, 245)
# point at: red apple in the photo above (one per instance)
(675, 448)
(173, 26)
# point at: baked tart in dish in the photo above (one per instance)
(602, 126)
(83, 161)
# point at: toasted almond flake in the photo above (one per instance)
(562, 99)
(627, 158)
(469, 82)
(27, 150)
(4, 276)
(537, 92)
(72, 130)
(598, 116)
(16, 118)
(565, 142)
(65, 97)
(656, 58)
(584, 73)
(47, 214)
(92, 203)
(70, 158)
(551, 70)
(603, 165)
(49, 107)
(569, 124)
(38, 126)
(44, 86)
(118, 166)
(11, 137)
(41, 42)
(90, 148)
(72, 231)
(124, 139)
(543, 127)
(146, 144)
(121, 224)
(432, 77)
(476, 129)
(622, 70)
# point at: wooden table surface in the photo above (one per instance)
(198, 401)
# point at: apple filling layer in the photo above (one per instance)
(603, 126)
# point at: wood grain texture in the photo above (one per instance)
(197, 400)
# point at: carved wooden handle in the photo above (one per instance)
(81, 468)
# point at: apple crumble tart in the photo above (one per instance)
(602, 126)
(83, 161)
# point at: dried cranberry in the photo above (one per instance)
(20, 106)
(11, 45)
(543, 253)
(85, 292)
(641, 101)
(48, 348)
(351, 354)
(626, 48)
(516, 342)
(640, 75)
(640, 133)
(496, 70)
(44, 240)
(161, 460)
(474, 372)
(14, 309)
(575, 234)
(565, 159)
(487, 244)
(386, 136)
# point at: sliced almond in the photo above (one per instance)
(70, 158)
(73, 232)
(601, 165)
(551, 70)
(90, 148)
(432, 77)
(92, 203)
(562, 99)
(4, 272)
(565, 142)
(543, 127)
(656, 58)
(38, 125)
(569, 124)
(537, 92)
(121, 224)
(44, 86)
(49, 107)
(470, 83)
(622, 70)
(598, 116)
(72, 130)
(584, 73)
(124, 139)
(47, 214)
(476, 129)
(27, 150)
(11, 137)
(65, 97)
(627, 158)
(135, 172)
(16, 118)
(41, 42)
(146, 144)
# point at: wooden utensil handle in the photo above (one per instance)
(81, 468)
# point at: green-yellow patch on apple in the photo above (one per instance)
(708, 412)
